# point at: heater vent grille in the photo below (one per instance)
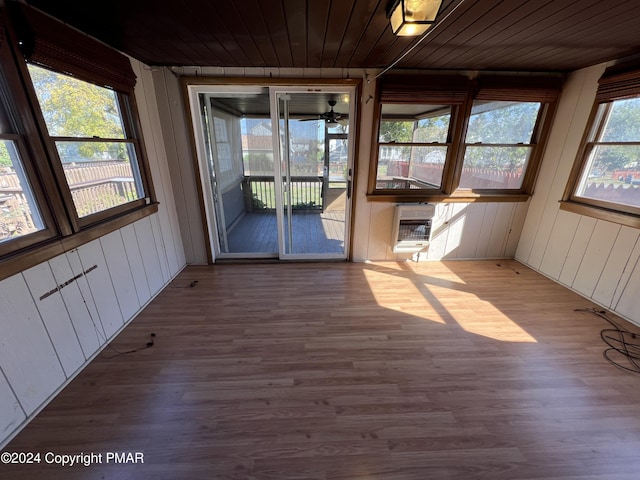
(412, 227)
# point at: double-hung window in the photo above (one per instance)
(72, 160)
(504, 129)
(418, 128)
(413, 145)
(25, 217)
(498, 144)
(605, 181)
(446, 138)
(87, 124)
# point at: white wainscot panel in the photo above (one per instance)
(27, 356)
(134, 257)
(632, 266)
(78, 302)
(559, 243)
(11, 414)
(473, 217)
(380, 227)
(595, 257)
(439, 231)
(95, 271)
(515, 229)
(456, 224)
(150, 259)
(151, 124)
(160, 247)
(120, 272)
(48, 300)
(616, 264)
(576, 251)
(486, 229)
(500, 231)
(629, 301)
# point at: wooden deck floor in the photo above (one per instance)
(389, 371)
(312, 233)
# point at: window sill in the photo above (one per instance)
(444, 198)
(600, 213)
(30, 257)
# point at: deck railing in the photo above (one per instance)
(260, 192)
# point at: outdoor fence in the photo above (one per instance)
(94, 188)
(471, 177)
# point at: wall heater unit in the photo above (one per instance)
(412, 227)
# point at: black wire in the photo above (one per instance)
(620, 341)
(119, 353)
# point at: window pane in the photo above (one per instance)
(612, 174)
(100, 175)
(623, 122)
(411, 167)
(502, 122)
(430, 124)
(19, 214)
(257, 149)
(73, 108)
(494, 167)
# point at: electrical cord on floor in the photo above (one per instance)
(119, 353)
(620, 341)
(191, 285)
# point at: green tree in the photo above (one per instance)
(396, 131)
(73, 108)
(621, 125)
(5, 159)
(510, 123)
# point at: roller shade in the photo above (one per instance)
(47, 42)
(520, 89)
(433, 89)
(618, 82)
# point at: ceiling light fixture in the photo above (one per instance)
(412, 17)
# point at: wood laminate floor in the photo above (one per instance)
(390, 371)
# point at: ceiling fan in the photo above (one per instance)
(331, 117)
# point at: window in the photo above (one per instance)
(86, 124)
(418, 127)
(227, 145)
(440, 137)
(412, 146)
(25, 218)
(498, 144)
(72, 163)
(20, 212)
(605, 182)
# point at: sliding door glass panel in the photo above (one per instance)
(239, 154)
(313, 148)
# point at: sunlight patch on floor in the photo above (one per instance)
(441, 296)
(386, 281)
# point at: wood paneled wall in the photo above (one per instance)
(459, 231)
(595, 258)
(56, 316)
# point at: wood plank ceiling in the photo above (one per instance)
(518, 35)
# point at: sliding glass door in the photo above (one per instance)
(315, 171)
(275, 165)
